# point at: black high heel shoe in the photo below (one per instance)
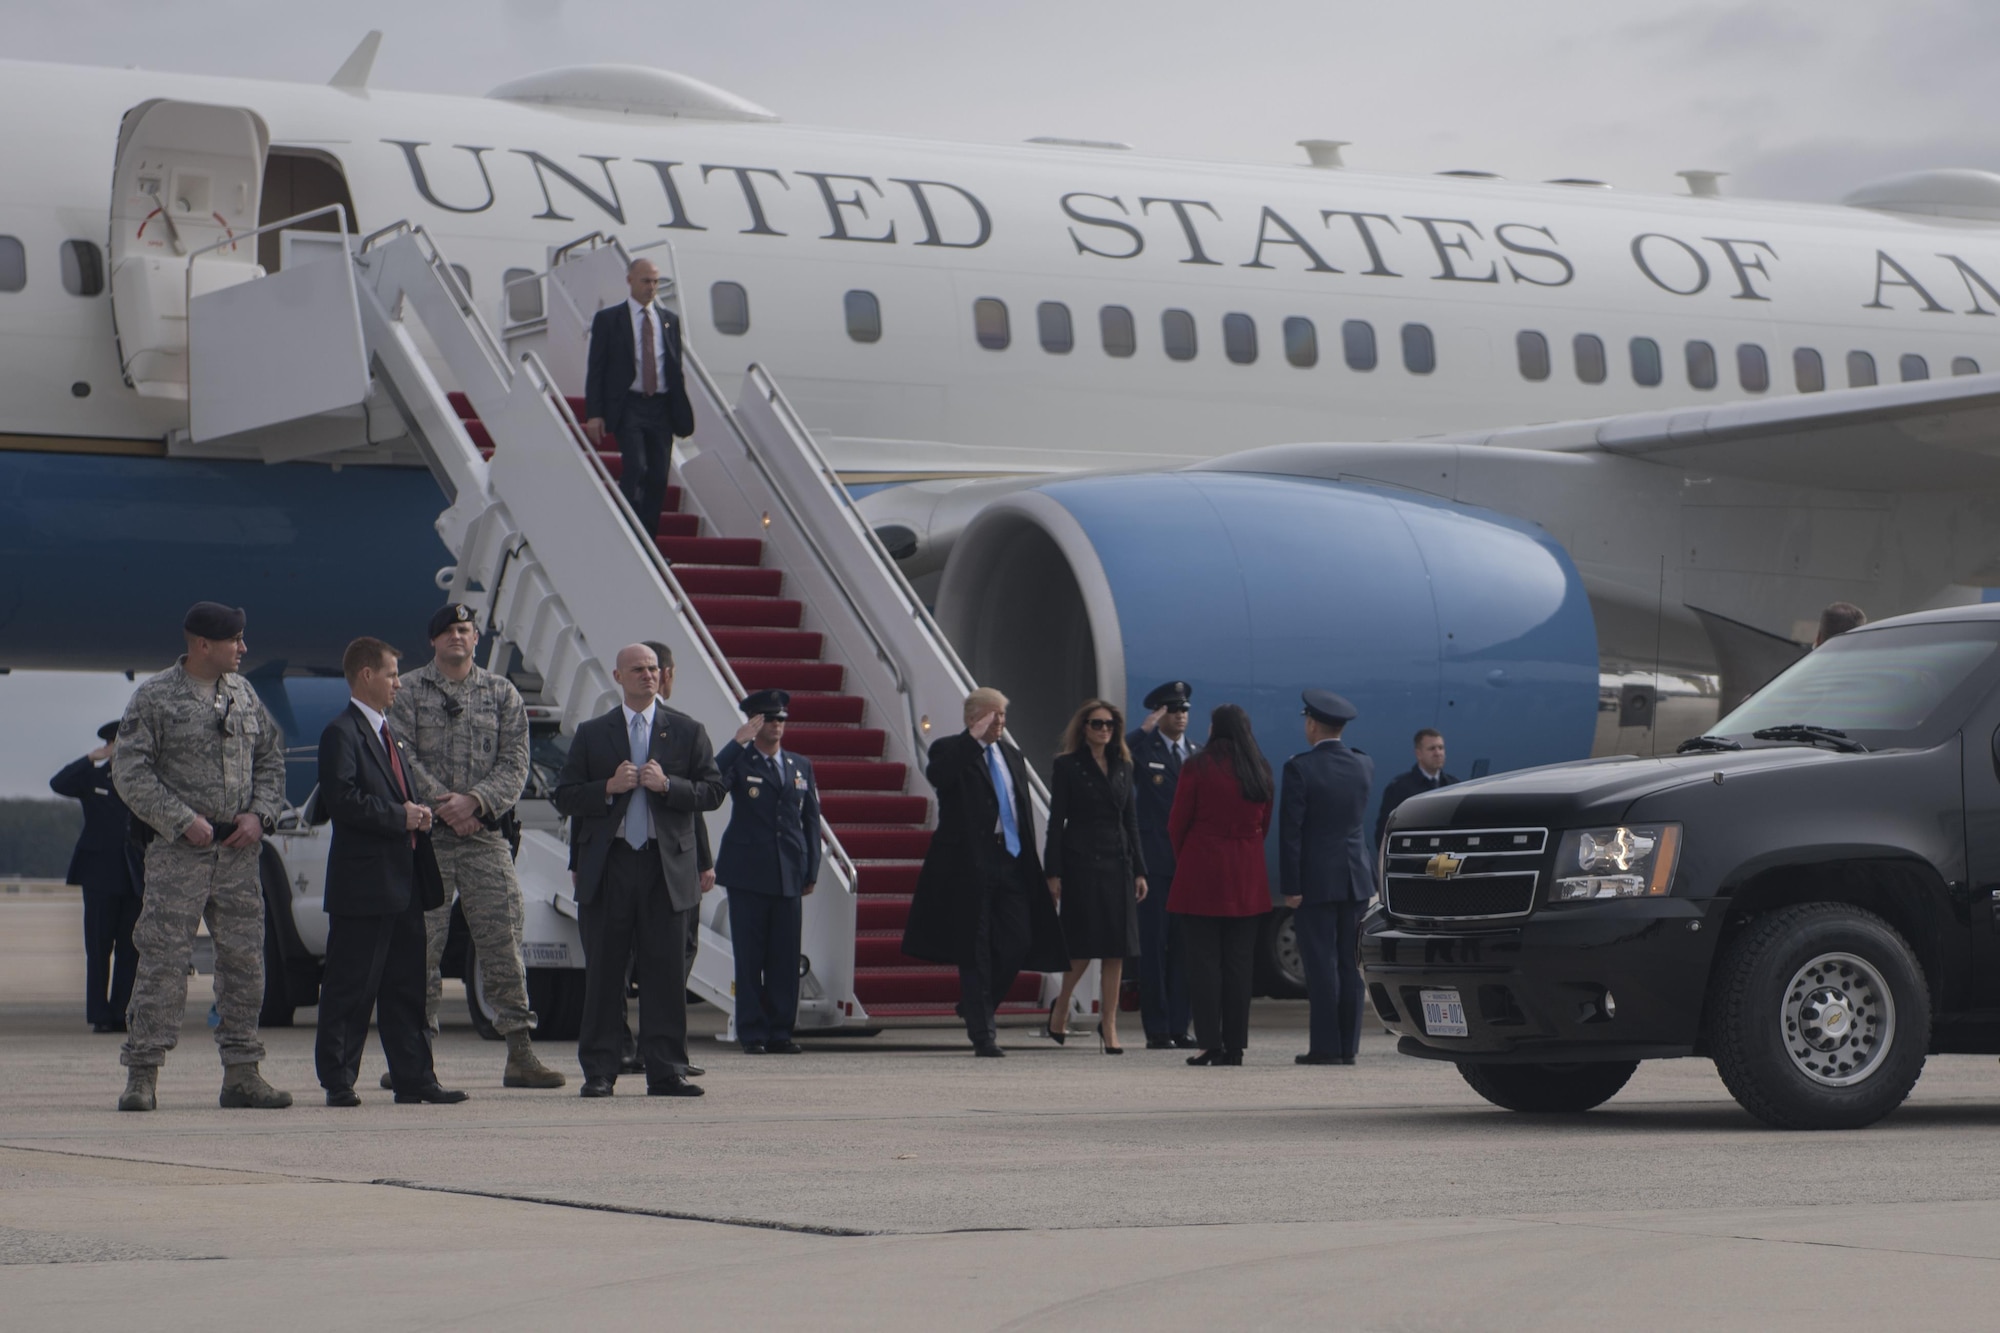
(1106, 1046)
(1209, 1058)
(1049, 1028)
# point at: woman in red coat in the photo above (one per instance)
(1222, 810)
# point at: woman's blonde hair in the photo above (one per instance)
(1073, 738)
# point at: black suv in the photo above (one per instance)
(1808, 895)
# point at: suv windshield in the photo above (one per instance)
(1904, 685)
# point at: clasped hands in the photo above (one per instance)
(247, 831)
(629, 775)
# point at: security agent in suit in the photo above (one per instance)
(381, 876)
(1160, 745)
(769, 862)
(633, 387)
(1426, 775)
(1324, 872)
(635, 786)
(107, 867)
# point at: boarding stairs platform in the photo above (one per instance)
(761, 574)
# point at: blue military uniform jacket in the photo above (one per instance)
(1156, 776)
(107, 862)
(772, 843)
(1323, 851)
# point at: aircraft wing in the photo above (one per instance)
(1934, 435)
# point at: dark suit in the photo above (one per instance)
(380, 879)
(645, 426)
(1400, 789)
(639, 899)
(107, 866)
(977, 908)
(1325, 862)
(770, 853)
(1163, 990)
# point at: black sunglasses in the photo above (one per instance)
(1177, 708)
(1100, 724)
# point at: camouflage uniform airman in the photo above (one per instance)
(186, 748)
(471, 737)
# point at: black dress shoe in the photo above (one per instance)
(1186, 1042)
(432, 1094)
(632, 1064)
(1231, 1058)
(1347, 1059)
(1209, 1058)
(1159, 1043)
(784, 1046)
(596, 1087)
(674, 1087)
(988, 1049)
(693, 1071)
(755, 1048)
(342, 1097)
(1315, 1058)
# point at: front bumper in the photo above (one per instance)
(1619, 980)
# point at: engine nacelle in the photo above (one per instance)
(1252, 587)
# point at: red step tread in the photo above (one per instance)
(712, 550)
(786, 674)
(847, 709)
(842, 809)
(858, 775)
(1012, 1008)
(885, 843)
(760, 612)
(884, 912)
(882, 948)
(678, 525)
(729, 580)
(843, 742)
(887, 878)
(789, 643)
(908, 985)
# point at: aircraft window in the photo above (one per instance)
(1052, 317)
(1701, 364)
(1753, 368)
(1964, 365)
(1357, 338)
(1645, 362)
(1589, 349)
(1533, 350)
(1177, 327)
(1301, 342)
(1913, 367)
(1419, 349)
(1808, 371)
(989, 324)
(1239, 338)
(82, 268)
(13, 264)
(864, 316)
(1860, 370)
(1114, 325)
(524, 295)
(729, 308)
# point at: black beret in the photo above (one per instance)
(1173, 692)
(213, 620)
(1328, 707)
(771, 704)
(452, 613)
(108, 731)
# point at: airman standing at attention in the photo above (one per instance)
(200, 762)
(1325, 867)
(1160, 745)
(468, 733)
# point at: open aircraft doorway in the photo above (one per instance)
(296, 181)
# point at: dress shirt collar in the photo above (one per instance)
(375, 720)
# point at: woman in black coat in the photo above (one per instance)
(1093, 862)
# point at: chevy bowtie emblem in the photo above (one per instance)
(1443, 866)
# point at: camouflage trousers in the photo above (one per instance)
(185, 886)
(481, 873)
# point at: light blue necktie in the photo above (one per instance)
(637, 816)
(1003, 786)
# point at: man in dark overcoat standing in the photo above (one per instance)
(108, 867)
(1324, 869)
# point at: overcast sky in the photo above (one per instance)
(1797, 100)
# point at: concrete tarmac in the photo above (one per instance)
(895, 1182)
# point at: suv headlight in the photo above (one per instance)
(1630, 861)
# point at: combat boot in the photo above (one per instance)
(524, 1067)
(243, 1086)
(141, 1083)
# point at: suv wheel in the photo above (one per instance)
(1819, 1017)
(1563, 1087)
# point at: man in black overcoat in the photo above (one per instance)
(634, 387)
(1427, 774)
(982, 904)
(108, 867)
(381, 877)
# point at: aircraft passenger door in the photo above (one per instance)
(582, 280)
(188, 176)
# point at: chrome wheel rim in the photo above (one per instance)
(1837, 1019)
(1291, 963)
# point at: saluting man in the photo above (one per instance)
(769, 861)
(200, 762)
(1323, 868)
(468, 734)
(1159, 746)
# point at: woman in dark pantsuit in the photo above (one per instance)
(1222, 810)
(1092, 859)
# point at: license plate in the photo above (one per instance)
(1444, 1013)
(545, 955)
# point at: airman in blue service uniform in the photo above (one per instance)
(107, 866)
(1159, 746)
(768, 861)
(1324, 868)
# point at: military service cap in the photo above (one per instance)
(213, 620)
(1173, 692)
(771, 704)
(452, 613)
(1328, 707)
(108, 731)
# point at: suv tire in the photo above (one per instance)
(1819, 1017)
(1550, 1087)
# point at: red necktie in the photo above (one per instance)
(396, 770)
(649, 378)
